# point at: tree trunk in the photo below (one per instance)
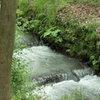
(7, 30)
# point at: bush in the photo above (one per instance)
(19, 78)
(75, 39)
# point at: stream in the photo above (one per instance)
(56, 74)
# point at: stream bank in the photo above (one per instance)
(72, 28)
(72, 38)
(77, 33)
(56, 74)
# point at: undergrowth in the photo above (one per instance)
(77, 40)
(39, 17)
(19, 77)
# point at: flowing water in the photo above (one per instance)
(87, 88)
(47, 66)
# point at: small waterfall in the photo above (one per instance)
(87, 88)
(47, 66)
(27, 39)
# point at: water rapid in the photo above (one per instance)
(47, 66)
(88, 88)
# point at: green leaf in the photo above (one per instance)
(55, 33)
(58, 39)
(46, 34)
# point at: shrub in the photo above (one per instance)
(19, 78)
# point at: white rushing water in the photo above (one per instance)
(46, 64)
(43, 61)
(87, 88)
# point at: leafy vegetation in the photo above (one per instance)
(19, 78)
(75, 95)
(76, 39)
(40, 17)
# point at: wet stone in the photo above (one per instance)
(54, 77)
